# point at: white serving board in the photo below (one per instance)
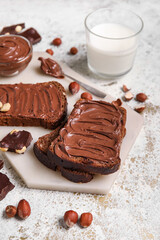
(34, 173)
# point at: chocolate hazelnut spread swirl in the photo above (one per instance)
(13, 48)
(51, 67)
(31, 100)
(93, 131)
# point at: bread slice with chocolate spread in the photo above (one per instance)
(90, 141)
(40, 150)
(41, 104)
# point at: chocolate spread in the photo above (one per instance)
(93, 131)
(15, 54)
(51, 67)
(31, 100)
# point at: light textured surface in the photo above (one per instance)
(132, 209)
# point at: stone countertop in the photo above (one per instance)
(132, 208)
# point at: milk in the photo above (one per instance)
(111, 49)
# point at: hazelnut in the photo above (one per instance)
(86, 219)
(18, 28)
(50, 51)
(5, 107)
(139, 109)
(21, 150)
(128, 96)
(125, 89)
(23, 209)
(70, 218)
(7, 33)
(3, 149)
(11, 211)
(14, 131)
(141, 97)
(73, 50)
(86, 95)
(57, 42)
(74, 88)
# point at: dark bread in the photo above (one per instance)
(76, 176)
(40, 104)
(40, 149)
(116, 118)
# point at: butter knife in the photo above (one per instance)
(92, 90)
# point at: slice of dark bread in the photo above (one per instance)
(90, 140)
(40, 104)
(40, 149)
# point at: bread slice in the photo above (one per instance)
(40, 104)
(40, 150)
(90, 140)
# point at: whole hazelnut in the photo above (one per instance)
(73, 50)
(141, 97)
(57, 42)
(11, 211)
(23, 209)
(86, 219)
(86, 95)
(74, 88)
(70, 218)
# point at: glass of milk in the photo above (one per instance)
(112, 39)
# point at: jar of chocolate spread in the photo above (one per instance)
(15, 54)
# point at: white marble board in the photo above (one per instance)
(35, 174)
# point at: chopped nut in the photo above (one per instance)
(118, 102)
(21, 150)
(50, 51)
(14, 130)
(1, 104)
(5, 107)
(3, 149)
(125, 89)
(18, 29)
(139, 109)
(128, 96)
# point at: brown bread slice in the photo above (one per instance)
(40, 150)
(104, 120)
(40, 104)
